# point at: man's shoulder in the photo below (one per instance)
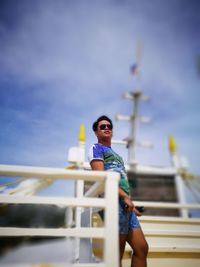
(99, 148)
(96, 152)
(95, 147)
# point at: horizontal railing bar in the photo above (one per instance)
(166, 205)
(53, 173)
(167, 219)
(95, 190)
(172, 248)
(87, 265)
(69, 202)
(70, 232)
(172, 233)
(185, 250)
(57, 265)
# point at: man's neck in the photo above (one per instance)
(104, 142)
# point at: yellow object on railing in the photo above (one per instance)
(82, 133)
(172, 144)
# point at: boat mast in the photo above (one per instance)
(135, 96)
(134, 124)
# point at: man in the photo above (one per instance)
(102, 157)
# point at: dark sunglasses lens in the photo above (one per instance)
(103, 126)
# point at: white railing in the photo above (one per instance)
(109, 203)
(167, 205)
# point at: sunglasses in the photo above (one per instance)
(104, 126)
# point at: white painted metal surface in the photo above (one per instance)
(57, 265)
(71, 232)
(60, 201)
(174, 238)
(109, 233)
(172, 241)
(53, 173)
(111, 216)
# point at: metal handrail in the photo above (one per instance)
(166, 205)
(109, 232)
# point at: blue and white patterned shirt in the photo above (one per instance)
(112, 162)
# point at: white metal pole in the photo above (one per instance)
(134, 120)
(80, 185)
(111, 246)
(179, 185)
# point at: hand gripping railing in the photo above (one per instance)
(110, 203)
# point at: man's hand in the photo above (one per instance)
(128, 204)
(130, 207)
(137, 212)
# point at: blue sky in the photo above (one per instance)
(64, 63)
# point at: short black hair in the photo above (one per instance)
(101, 118)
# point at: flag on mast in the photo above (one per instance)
(134, 69)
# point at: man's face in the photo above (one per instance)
(104, 130)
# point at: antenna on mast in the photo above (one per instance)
(135, 96)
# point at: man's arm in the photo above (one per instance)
(98, 165)
(129, 204)
(126, 199)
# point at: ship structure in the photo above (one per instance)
(150, 183)
(171, 229)
(173, 234)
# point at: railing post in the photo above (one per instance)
(111, 247)
(79, 185)
(181, 194)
